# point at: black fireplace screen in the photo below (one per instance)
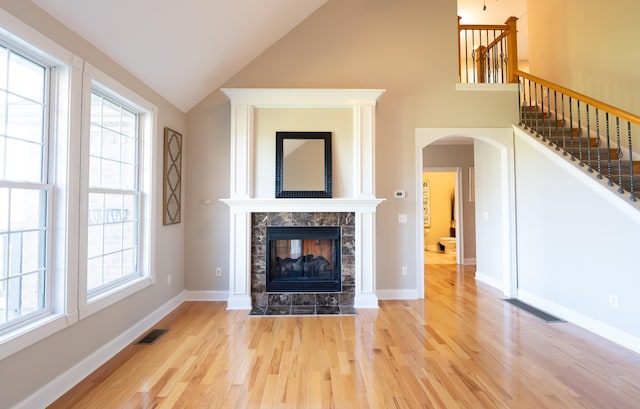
(303, 259)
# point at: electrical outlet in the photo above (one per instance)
(169, 279)
(218, 272)
(613, 301)
(404, 270)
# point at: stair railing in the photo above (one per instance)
(591, 132)
(488, 53)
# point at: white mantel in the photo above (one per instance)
(242, 201)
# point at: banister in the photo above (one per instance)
(509, 62)
(627, 116)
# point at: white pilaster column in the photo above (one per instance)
(365, 296)
(240, 260)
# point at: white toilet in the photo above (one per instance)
(449, 244)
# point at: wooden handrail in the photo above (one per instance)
(483, 27)
(627, 116)
(498, 39)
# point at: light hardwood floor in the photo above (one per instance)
(461, 347)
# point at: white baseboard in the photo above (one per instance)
(367, 300)
(67, 380)
(207, 296)
(490, 281)
(602, 329)
(469, 261)
(398, 294)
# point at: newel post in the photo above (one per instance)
(459, 58)
(481, 65)
(512, 48)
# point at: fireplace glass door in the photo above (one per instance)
(303, 259)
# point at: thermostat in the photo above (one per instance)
(399, 194)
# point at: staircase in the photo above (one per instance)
(587, 132)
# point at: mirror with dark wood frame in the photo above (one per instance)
(303, 165)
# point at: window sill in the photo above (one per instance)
(107, 298)
(32, 332)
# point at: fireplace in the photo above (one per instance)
(303, 259)
(252, 203)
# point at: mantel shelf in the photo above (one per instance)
(363, 205)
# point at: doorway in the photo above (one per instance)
(492, 196)
(442, 217)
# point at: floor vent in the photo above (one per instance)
(152, 336)
(532, 310)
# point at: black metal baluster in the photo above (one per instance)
(544, 116)
(573, 158)
(564, 128)
(589, 167)
(619, 155)
(550, 117)
(580, 163)
(598, 141)
(555, 109)
(520, 97)
(502, 59)
(530, 113)
(609, 181)
(535, 99)
(631, 185)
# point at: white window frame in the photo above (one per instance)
(103, 84)
(63, 113)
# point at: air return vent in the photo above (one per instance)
(152, 336)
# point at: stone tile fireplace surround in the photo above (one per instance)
(355, 210)
(308, 303)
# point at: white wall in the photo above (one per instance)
(577, 244)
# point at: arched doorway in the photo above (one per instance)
(494, 203)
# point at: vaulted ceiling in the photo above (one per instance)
(186, 49)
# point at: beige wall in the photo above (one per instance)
(588, 46)
(35, 366)
(270, 120)
(407, 47)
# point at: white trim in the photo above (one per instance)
(17, 32)
(304, 205)
(366, 301)
(469, 261)
(398, 294)
(490, 281)
(459, 205)
(298, 97)
(95, 79)
(63, 140)
(600, 328)
(206, 295)
(67, 380)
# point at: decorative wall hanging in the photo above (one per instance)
(426, 203)
(172, 177)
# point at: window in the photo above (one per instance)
(25, 188)
(76, 171)
(113, 195)
(116, 181)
